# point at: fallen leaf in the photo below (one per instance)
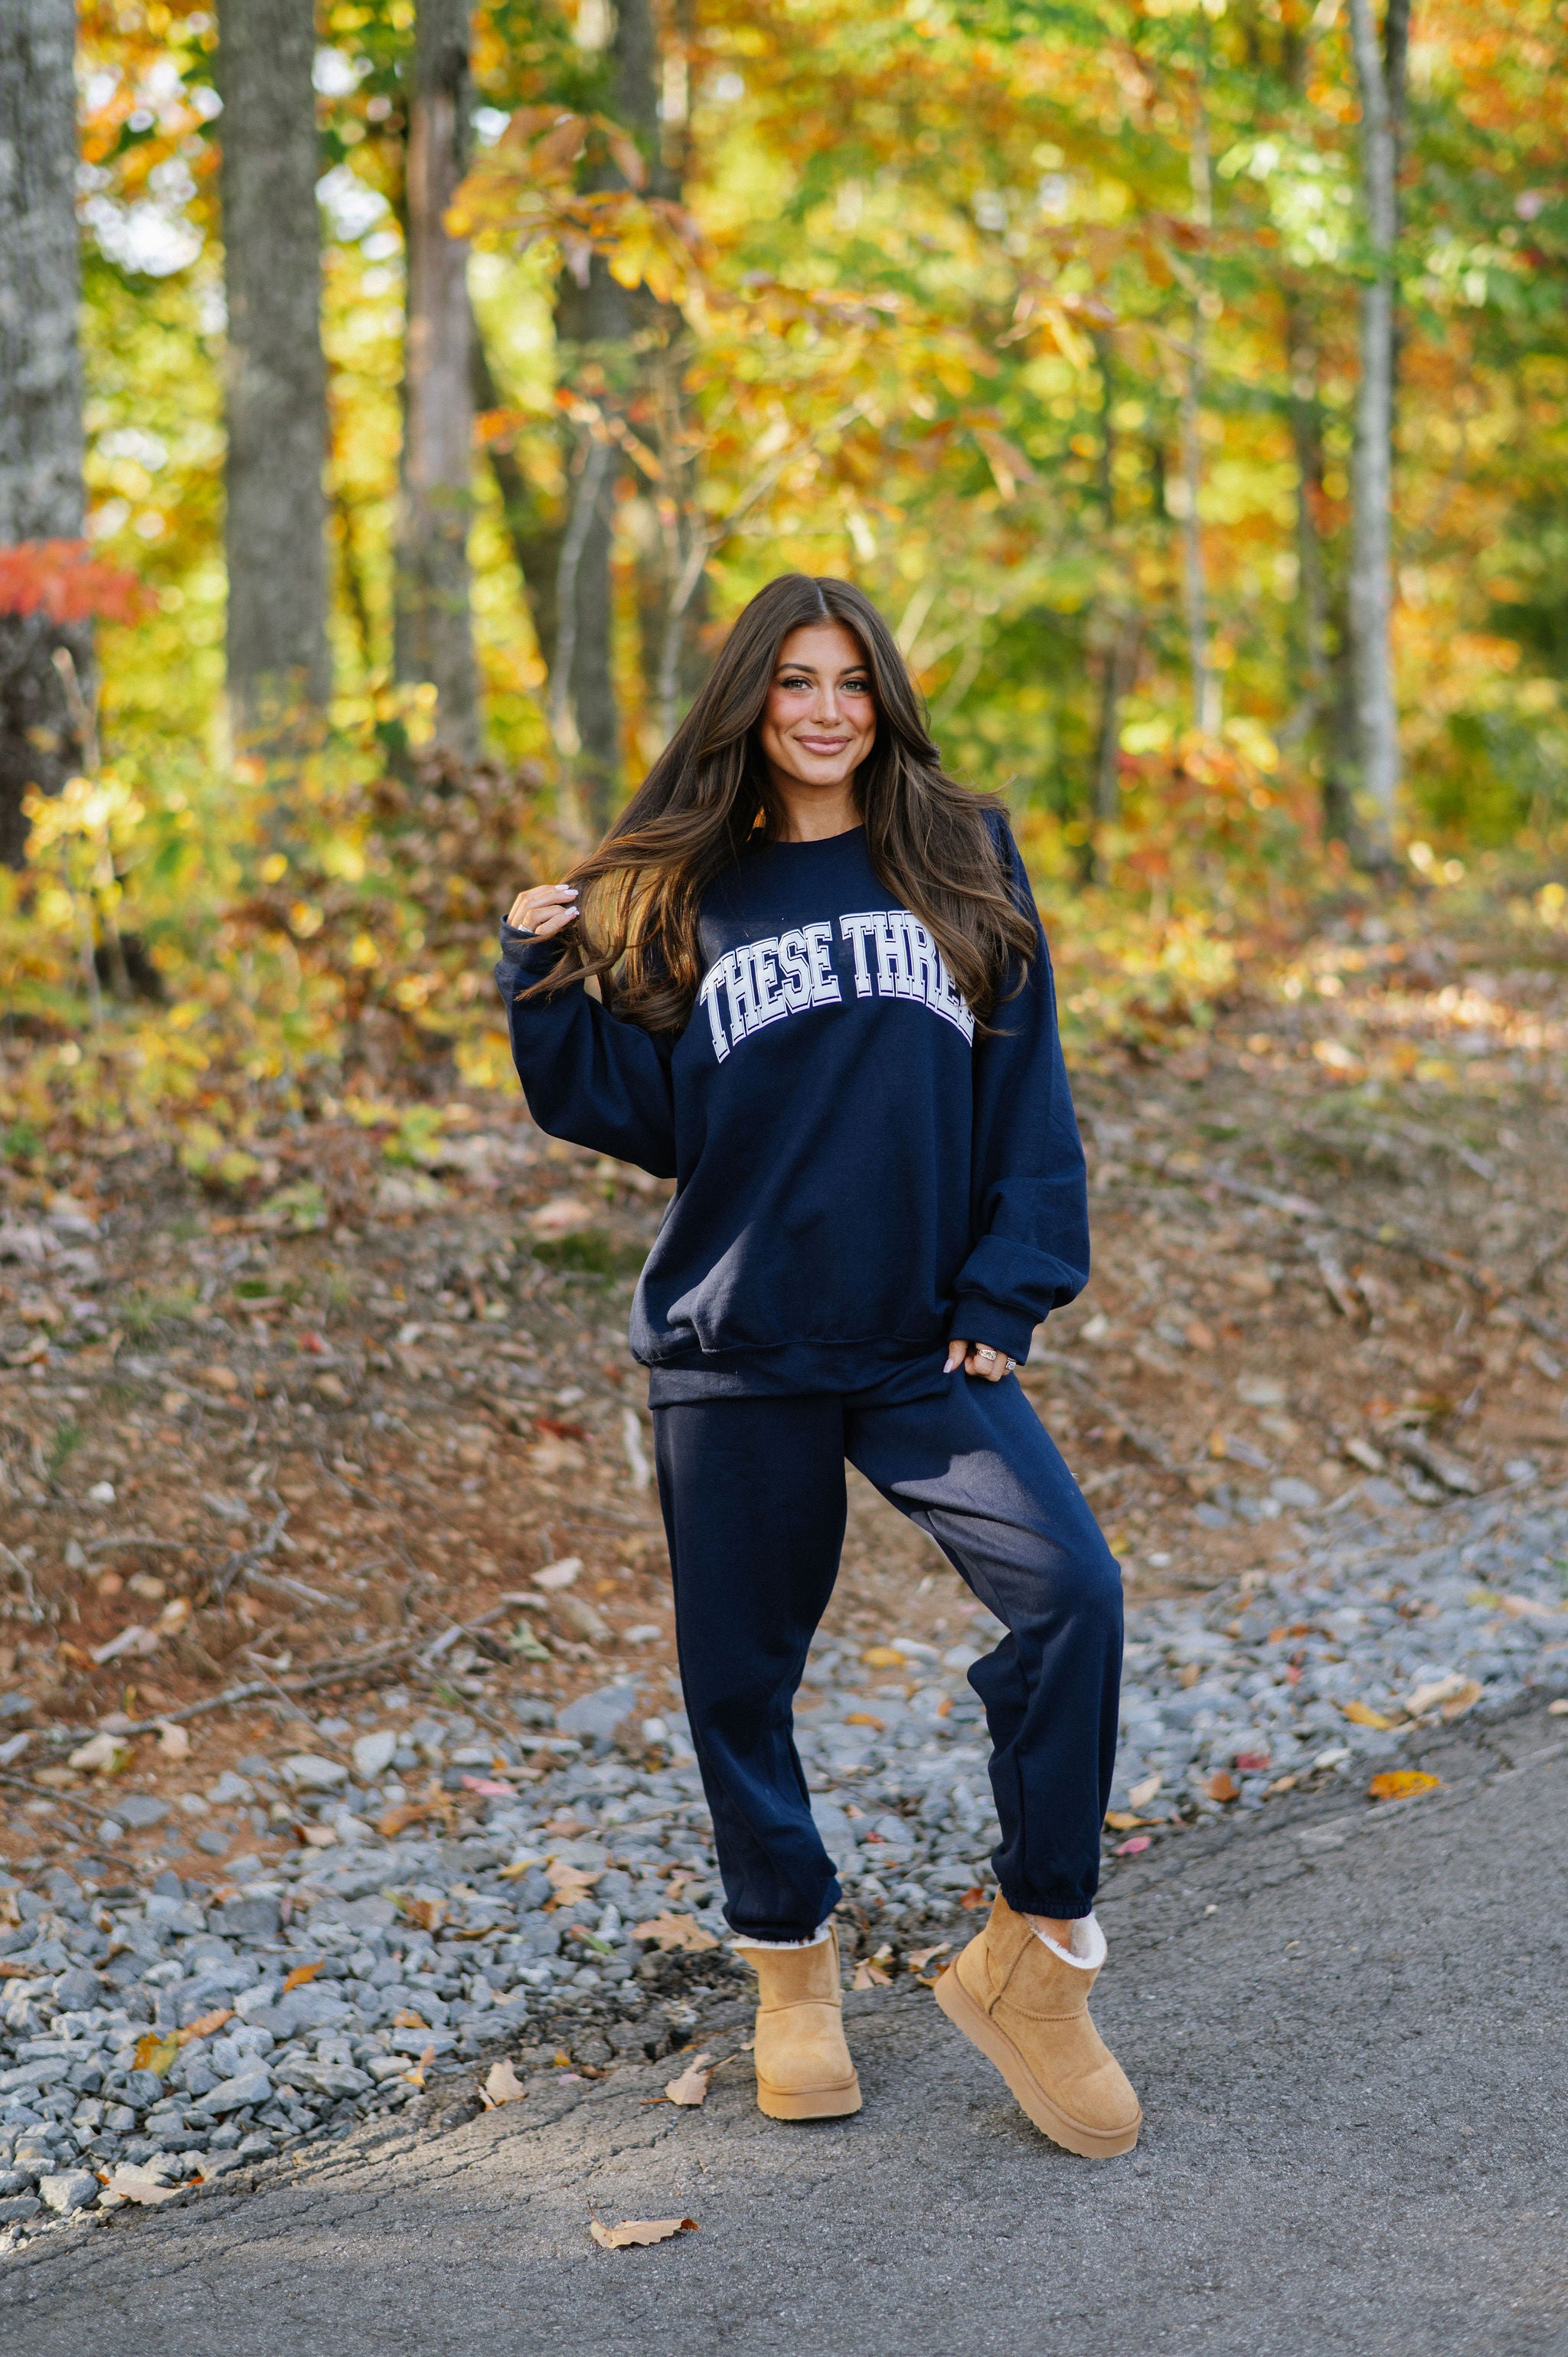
(301, 1974)
(971, 1899)
(1453, 1694)
(409, 1813)
(1558, 1709)
(488, 1788)
(865, 1719)
(1222, 1786)
(173, 1742)
(1199, 1336)
(424, 1914)
(500, 2085)
(1124, 1821)
(570, 1883)
(1253, 1763)
(671, 1933)
(406, 2019)
(692, 2087)
(156, 2054)
(1135, 1847)
(636, 2234)
(1360, 1714)
(206, 2024)
(882, 1657)
(132, 2184)
(920, 1957)
(518, 1868)
(557, 1576)
(870, 1976)
(415, 2077)
(103, 1753)
(1398, 1783)
(1145, 1791)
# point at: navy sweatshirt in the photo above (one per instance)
(859, 1172)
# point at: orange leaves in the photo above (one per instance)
(1402, 1785)
(301, 1974)
(63, 579)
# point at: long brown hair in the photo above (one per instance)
(708, 796)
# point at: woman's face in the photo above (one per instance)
(820, 721)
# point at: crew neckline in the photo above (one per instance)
(815, 842)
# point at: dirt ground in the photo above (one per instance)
(329, 1439)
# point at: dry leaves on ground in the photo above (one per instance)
(570, 1883)
(870, 1976)
(675, 1932)
(133, 2184)
(1400, 1783)
(692, 2087)
(1361, 1714)
(301, 1974)
(636, 2234)
(500, 2085)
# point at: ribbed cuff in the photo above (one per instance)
(980, 1320)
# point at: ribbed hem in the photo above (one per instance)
(980, 1320)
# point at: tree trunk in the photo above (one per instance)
(274, 528)
(1371, 595)
(535, 541)
(41, 389)
(1121, 671)
(1206, 707)
(434, 635)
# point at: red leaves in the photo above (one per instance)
(63, 579)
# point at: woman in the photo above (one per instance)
(826, 1010)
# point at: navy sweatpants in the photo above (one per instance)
(753, 1492)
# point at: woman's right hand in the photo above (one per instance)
(544, 911)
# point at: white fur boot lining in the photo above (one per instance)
(1087, 1952)
(814, 1941)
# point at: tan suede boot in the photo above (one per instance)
(1027, 2008)
(803, 2070)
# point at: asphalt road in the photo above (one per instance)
(1347, 2023)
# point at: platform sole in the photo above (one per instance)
(809, 2102)
(1090, 2144)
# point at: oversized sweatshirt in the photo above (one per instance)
(860, 1170)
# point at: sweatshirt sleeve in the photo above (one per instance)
(588, 1076)
(1030, 1191)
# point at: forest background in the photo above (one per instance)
(399, 401)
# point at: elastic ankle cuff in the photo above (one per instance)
(744, 1940)
(1087, 1952)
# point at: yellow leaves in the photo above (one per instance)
(303, 1972)
(865, 1719)
(1361, 1714)
(868, 1973)
(1402, 1785)
(156, 2052)
(1452, 1696)
(692, 2087)
(636, 2234)
(500, 2085)
(674, 1934)
(406, 2019)
(882, 1657)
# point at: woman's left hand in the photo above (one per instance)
(978, 1359)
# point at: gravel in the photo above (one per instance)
(422, 1954)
